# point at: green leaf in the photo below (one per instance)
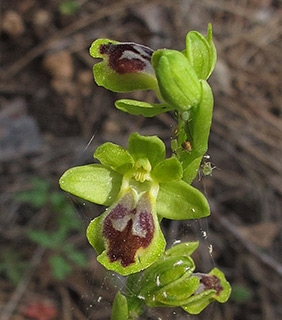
(142, 108)
(126, 66)
(168, 170)
(150, 147)
(198, 128)
(178, 200)
(114, 156)
(95, 183)
(120, 308)
(59, 266)
(178, 82)
(201, 53)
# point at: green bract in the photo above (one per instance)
(201, 53)
(141, 187)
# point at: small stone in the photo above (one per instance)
(12, 24)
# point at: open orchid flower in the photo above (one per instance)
(140, 187)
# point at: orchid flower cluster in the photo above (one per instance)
(140, 186)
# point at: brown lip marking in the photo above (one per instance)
(211, 282)
(122, 57)
(123, 243)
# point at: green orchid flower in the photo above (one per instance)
(171, 282)
(140, 187)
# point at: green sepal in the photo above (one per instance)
(168, 170)
(108, 78)
(163, 273)
(199, 302)
(178, 81)
(120, 308)
(182, 249)
(114, 156)
(177, 293)
(145, 109)
(177, 200)
(150, 147)
(95, 183)
(201, 53)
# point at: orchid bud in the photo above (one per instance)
(178, 82)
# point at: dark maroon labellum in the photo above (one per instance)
(128, 57)
(128, 229)
(211, 282)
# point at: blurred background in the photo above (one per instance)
(53, 116)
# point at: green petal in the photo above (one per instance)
(142, 108)
(95, 183)
(125, 66)
(114, 156)
(178, 82)
(120, 308)
(178, 200)
(168, 170)
(150, 147)
(182, 249)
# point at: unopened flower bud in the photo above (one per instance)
(177, 80)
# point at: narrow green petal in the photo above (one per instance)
(178, 200)
(168, 170)
(142, 108)
(125, 66)
(114, 156)
(95, 183)
(150, 147)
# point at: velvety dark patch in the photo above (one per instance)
(211, 282)
(120, 59)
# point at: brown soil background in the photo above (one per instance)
(46, 79)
